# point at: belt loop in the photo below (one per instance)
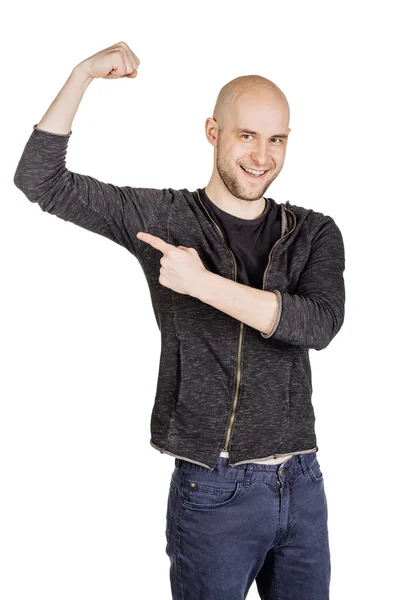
(179, 463)
(247, 474)
(303, 463)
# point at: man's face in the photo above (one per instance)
(250, 139)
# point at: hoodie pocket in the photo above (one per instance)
(291, 385)
(178, 374)
(301, 382)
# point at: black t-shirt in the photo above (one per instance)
(250, 240)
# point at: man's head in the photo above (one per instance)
(250, 119)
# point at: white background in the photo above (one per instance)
(83, 494)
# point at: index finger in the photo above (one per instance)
(154, 241)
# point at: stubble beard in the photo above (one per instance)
(231, 178)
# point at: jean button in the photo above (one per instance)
(281, 471)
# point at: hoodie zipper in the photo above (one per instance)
(238, 372)
(277, 242)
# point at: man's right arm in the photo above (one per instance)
(117, 213)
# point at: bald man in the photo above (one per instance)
(242, 288)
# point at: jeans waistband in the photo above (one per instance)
(296, 464)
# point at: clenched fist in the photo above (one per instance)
(112, 63)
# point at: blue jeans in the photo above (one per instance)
(230, 526)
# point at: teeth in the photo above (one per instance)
(254, 172)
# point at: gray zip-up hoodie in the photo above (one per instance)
(222, 385)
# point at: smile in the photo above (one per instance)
(254, 175)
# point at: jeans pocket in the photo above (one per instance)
(199, 495)
(315, 470)
(171, 505)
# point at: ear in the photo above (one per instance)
(211, 127)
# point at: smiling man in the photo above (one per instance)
(249, 131)
(242, 288)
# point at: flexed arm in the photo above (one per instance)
(117, 213)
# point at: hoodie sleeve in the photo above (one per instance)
(315, 313)
(117, 213)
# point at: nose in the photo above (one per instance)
(260, 156)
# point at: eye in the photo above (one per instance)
(275, 138)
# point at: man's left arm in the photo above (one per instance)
(311, 317)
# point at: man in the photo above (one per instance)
(242, 288)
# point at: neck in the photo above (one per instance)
(243, 209)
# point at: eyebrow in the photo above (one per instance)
(281, 135)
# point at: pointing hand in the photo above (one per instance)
(181, 267)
